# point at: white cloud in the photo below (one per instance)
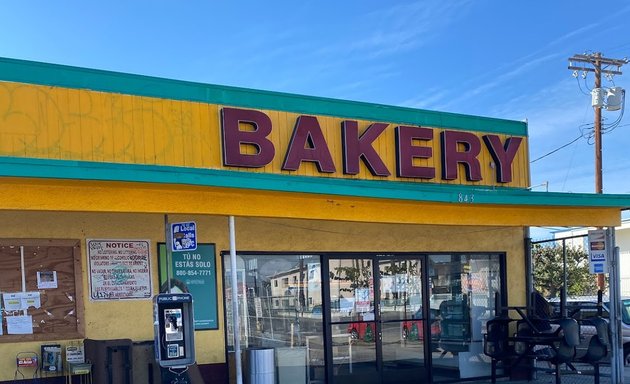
(428, 99)
(500, 80)
(409, 25)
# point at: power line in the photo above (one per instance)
(580, 86)
(618, 48)
(557, 149)
(587, 132)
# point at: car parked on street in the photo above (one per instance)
(411, 329)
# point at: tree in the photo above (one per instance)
(359, 275)
(548, 271)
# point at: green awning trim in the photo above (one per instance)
(421, 192)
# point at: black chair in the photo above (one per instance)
(496, 342)
(455, 326)
(569, 338)
(599, 345)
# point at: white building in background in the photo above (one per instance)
(622, 240)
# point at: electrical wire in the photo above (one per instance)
(577, 78)
(587, 131)
(617, 48)
(557, 149)
(610, 77)
(607, 128)
(354, 232)
(569, 168)
(586, 85)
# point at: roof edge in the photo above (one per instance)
(424, 192)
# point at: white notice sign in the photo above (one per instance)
(119, 269)
(75, 354)
(19, 325)
(18, 301)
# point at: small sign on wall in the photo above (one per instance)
(184, 236)
(119, 269)
(597, 252)
(46, 279)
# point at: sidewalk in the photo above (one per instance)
(586, 377)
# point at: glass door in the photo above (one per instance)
(462, 297)
(352, 323)
(377, 322)
(402, 319)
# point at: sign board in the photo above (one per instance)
(362, 300)
(183, 236)
(258, 307)
(75, 354)
(27, 361)
(19, 301)
(194, 272)
(597, 252)
(51, 358)
(119, 269)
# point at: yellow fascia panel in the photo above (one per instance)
(90, 196)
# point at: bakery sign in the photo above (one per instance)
(431, 154)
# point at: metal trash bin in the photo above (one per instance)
(260, 366)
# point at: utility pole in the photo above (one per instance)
(597, 64)
(597, 61)
(611, 67)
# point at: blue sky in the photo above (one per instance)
(497, 58)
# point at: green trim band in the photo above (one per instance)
(106, 81)
(460, 194)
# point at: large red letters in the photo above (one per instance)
(308, 144)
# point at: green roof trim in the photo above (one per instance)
(444, 193)
(106, 81)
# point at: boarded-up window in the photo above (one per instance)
(47, 273)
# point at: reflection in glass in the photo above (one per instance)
(462, 300)
(390, 324)
(352, 327)
(351, 290)
(402, 320)
(280, 304)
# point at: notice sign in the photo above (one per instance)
(21, 300)
(598, 262)
(75, 354)
(119, 269)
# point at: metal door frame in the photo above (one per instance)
(376, 278)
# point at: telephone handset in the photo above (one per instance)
(173, 325)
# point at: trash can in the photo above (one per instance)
(260, 366)
(111, 360)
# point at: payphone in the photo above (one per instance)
(174, 329)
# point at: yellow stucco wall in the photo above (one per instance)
(133, 319)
